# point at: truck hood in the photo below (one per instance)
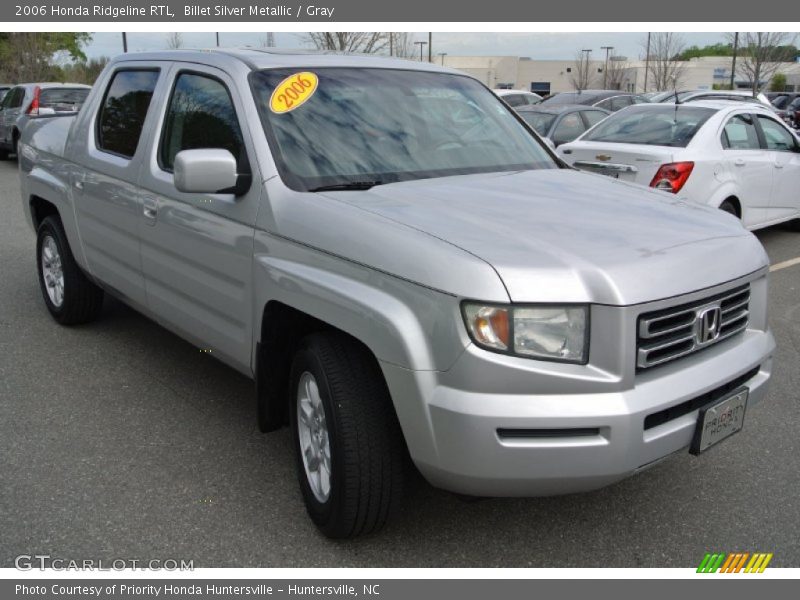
(564, 236)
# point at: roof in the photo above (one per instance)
(716, 105)
(556, 109)
(265, 58)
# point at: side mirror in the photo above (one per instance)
(550, 143)
(206, 171)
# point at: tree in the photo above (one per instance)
(33, 56)
(665, 69)
(174, 40)
(85, 71)
(719, 49)
(580, 75)
(760, 56)
(616, 72)
(402, 44)
(778, 83)
(349, 41)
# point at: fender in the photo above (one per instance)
(400, 322)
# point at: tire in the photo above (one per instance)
(4, 154)
(729, 207)
(367, 457)
(80, 300)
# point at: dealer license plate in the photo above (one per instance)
(719, 421)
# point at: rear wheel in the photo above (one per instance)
(729, 207)
(69, 295)
(350, 452)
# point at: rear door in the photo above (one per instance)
(782, 147)
(12, 106)
(109, 149)
(748, 166)
(197, 249)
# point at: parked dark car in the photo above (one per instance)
(611, 100)
(562, 123)
(781, 100)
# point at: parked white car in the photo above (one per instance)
(518, 98)
(738, 157)
(732, 95)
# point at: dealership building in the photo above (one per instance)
(551, 76)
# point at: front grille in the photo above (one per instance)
(671, 333)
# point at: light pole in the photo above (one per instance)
(217, 34)
(442, 54)
(605, 67)
(430, 46)
(421, 44)
(124, 42)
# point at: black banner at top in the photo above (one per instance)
(320, 11)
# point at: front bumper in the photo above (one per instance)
(466, 437)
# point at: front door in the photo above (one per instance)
(197, 249)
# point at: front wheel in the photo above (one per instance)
(70, 297)
(350, 453)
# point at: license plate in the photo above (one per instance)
(719, 421)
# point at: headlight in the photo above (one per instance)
(545, 332)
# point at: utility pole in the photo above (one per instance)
(391, 43)
(605, 68)
(421, 44)
(442, 54)
(430, 46)
(733, 61)
(646, 63)
(124, 42)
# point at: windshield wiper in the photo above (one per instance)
(350, 185)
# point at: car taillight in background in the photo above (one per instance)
(33, 109)
(672, 176)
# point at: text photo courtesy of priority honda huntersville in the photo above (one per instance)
(414, 279)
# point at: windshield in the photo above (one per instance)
(541, 122)
(372, 126)
(664, 125)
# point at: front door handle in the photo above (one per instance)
(778, 165)
(739, 162)
(150, 210)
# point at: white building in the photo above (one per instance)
(550, 76)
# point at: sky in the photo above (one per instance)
(539, 46)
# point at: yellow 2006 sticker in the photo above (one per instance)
(293, 92)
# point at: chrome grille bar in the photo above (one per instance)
(674, 332)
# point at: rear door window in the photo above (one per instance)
(570, 127)
(515, 99)
(740, 134)
(593, 117)
(124, 108)
(620, 102)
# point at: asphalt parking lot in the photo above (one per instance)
(120, 440)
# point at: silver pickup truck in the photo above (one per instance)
(404, 269)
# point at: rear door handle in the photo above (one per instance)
(150, 210)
